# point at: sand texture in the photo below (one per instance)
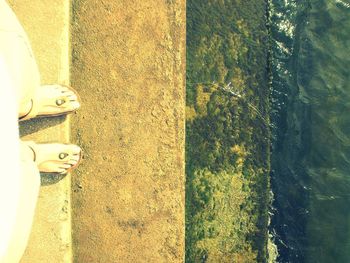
(128, 64)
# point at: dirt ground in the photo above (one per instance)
(128, 64)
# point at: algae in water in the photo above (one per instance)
(227, 142)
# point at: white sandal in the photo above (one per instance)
(64, 101)
(61, 160)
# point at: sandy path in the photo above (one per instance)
(128, 64)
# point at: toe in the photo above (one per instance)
(73, 99)
(65, 166)
(75, 149)
(72, 96)
(68, 93)
(75, 158)
(75, 105)
(72, 162)
(63, 172)
(75, 154)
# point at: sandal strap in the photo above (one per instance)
(32, 146)
(33, 111)
(29, 115)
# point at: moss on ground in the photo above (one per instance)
(227, 141)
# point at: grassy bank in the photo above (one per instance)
(227, 141)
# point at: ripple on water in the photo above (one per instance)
(311, 150)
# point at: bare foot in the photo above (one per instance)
(55, 157)
(50, 100)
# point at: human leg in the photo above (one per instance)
(54, 158)
(19, 57)
(29, 185)
(19, 178)
(34, 100)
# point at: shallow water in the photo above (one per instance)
(311, 117)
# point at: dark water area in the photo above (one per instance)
(311, 128)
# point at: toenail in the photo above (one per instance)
(62, 155)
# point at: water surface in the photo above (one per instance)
(311, 116)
